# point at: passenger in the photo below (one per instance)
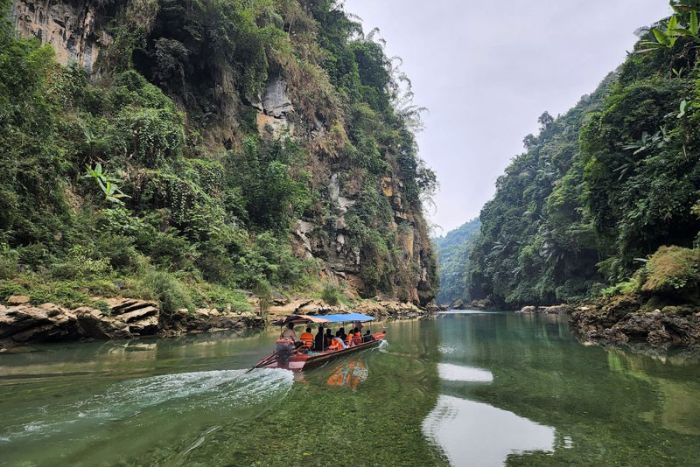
(341, 334)
(328, 337)
(357, 336)
(285, 345)
(288, 333)
(336, 344)
(307, 339)
(348, 338)
(368, 337)
(319, 342)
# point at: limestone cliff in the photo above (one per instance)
(364, 227)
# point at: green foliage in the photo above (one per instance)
(453, 252)
(8, 262)
(172, 295)
(168, 121)
(107, 184)
(672, 270)
(79, 264)
(271, 181)
(602, 186)
(331, 294)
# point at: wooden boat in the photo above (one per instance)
(301, 359)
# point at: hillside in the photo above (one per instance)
(192, 151)
(453, 251)
(605, 198)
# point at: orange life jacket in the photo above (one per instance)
(357, 338)
(335, 345)
(348, 338)
(307, 339)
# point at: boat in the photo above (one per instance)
(301, 359)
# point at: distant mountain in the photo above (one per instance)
(453, 261)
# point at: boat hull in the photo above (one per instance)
(300, 361)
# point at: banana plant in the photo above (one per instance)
(683, 23)
(107, 184)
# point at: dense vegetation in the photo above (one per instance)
(453, 251)
(150, 178)
(604, 186)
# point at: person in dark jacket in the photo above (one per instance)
(319, 342)
(341, 334)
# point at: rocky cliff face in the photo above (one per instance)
(78, 32)
(72, 28)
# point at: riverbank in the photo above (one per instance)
(630, 320)
(22, 322)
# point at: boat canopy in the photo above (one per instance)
(323, 319)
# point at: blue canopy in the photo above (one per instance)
(345, 318)
(323, 319)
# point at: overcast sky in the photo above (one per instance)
(487, 69)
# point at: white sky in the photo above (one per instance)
(487, 69)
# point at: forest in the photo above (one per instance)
(452, 251)
(149, 175)
(604, 200)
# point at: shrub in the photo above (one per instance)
(622, 288)
(672, 269)
(79, 265)
(169, 291)
(119, 250)
(8, 262)
(331, 295)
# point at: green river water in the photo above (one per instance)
(472, 389)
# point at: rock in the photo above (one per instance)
(288, 309)
(620, 321)
(275, 101)
(25, 323)
(528, 309)
(72, 29)
(480, 304)
(15, 300)
(557, 309)
(139, 314)
(92, 323)
(17, 319)
(145, 327)
(679, 310)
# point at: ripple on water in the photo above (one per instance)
(181, 391)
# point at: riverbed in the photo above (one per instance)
(463, 388)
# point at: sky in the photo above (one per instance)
(486, 70)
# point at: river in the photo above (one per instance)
(464, 388)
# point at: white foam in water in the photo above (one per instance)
(449, 372)
(196, 390)
(473, 433)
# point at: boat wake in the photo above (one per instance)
(173, 393)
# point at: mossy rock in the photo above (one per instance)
(673, 270)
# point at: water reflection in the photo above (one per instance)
(473, 433)
(350, 374)
(583, 405)
(476, 433)
(449, 372)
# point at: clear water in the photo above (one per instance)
(468, 389)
